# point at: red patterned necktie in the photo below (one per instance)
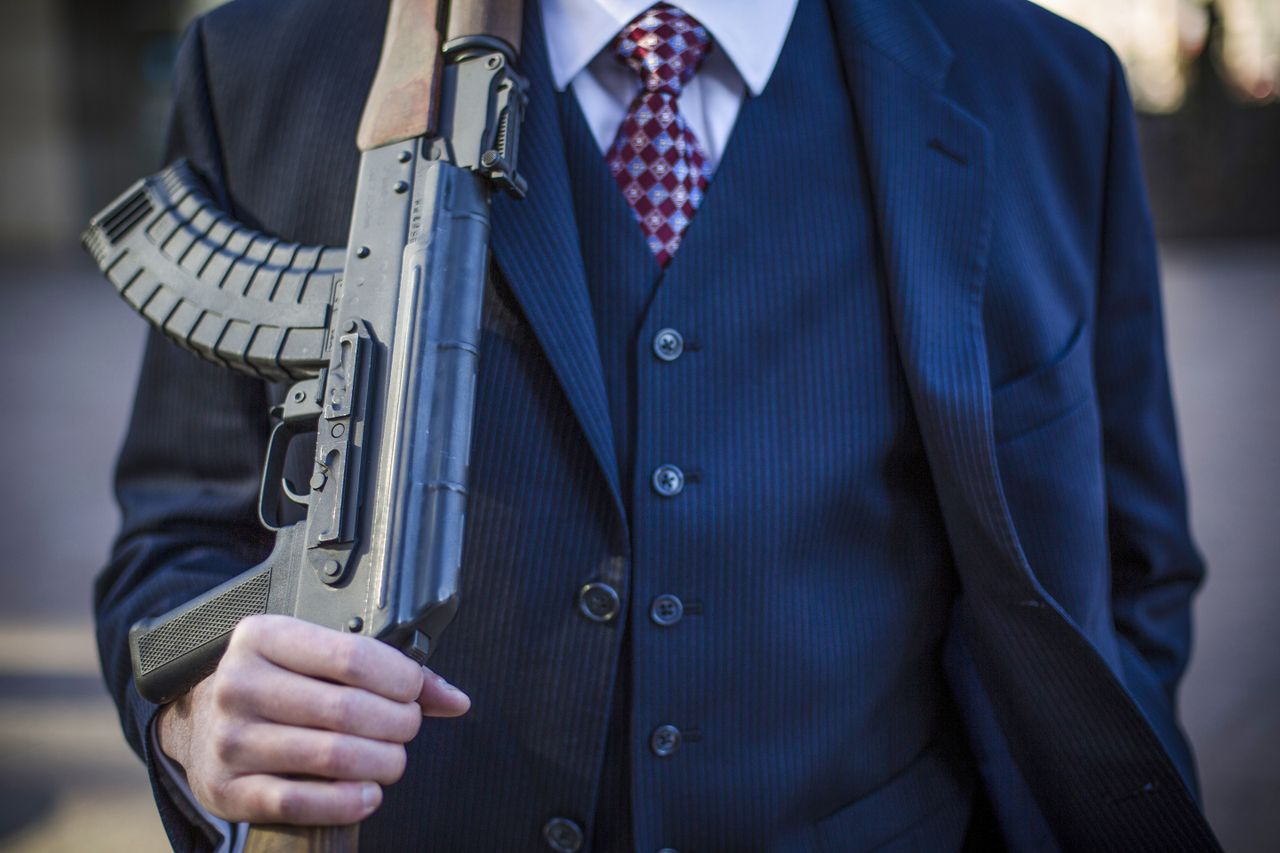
(656, 160)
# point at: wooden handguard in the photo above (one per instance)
(500, 19)
(404, 97)
(403, 100)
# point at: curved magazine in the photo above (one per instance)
(235, 296)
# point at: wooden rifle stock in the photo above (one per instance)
(293, 839)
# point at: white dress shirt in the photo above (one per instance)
(748, 37)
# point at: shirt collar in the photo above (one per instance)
(750, 32)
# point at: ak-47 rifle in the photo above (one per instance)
(379, 339)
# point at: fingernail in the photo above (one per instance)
(459, 695)
(369, 795)
(440, 680)
(448, 688)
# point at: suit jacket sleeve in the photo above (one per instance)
(1155, 566)
(186, 479)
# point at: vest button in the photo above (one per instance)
(599, 602)
(562, 835)
(668, 481)
(668, 344)
(666, 610)
(664, 740)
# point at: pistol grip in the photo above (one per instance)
(174, 652)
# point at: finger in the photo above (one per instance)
(288, 750)
(270, 799)
(284, 697)
(439, 698)
(349, 659)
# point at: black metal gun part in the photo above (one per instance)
(380, 343)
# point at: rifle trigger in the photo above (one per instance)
(293, 494)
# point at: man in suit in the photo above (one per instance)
(825, 493)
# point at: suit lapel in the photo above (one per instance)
(930, 173)
(535, 244)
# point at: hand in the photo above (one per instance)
(293, 706)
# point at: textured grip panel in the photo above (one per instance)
(174, 652)
(230, 294)
(206, 621)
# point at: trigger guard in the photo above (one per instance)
(273, 481)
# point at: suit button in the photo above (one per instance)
(668, 345)
(668, 481)
(664, 740)
(666, 610)
(562, 835)
(598, 602)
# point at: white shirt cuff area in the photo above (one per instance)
(233, 834)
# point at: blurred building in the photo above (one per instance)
(1159, 41)
(90, 116)
(1205, 75)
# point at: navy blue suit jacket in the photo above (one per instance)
(1021, 268)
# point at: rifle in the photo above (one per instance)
(379, 341)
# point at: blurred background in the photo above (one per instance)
(82, 116)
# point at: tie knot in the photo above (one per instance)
(664, 46)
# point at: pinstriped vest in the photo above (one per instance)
(781, 305)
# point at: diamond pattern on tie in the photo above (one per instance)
(655, 159)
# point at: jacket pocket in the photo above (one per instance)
(1049, 453)
(929, 800)
(1046, 393)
